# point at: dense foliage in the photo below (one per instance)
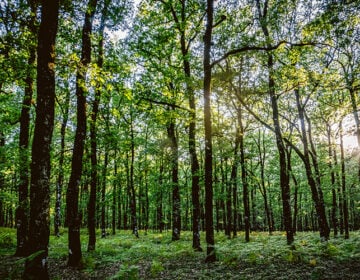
(184, 115)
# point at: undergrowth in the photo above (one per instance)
(154, 255)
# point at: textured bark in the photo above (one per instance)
(72, 195)
(39, 226)
(209, 223)
(22, 211)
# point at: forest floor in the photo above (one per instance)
(155, 256)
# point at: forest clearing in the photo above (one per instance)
(155, 256)
(228, 131)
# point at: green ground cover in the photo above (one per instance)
(155, 256)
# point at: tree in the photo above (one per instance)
(284, 172)
(22, 212)
(209, 224)
(36, 266)
(93, 137)
(72, 194)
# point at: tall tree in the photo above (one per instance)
(93, 136)
(284, 172)
(209, 224)
(22, 211)
(72, 195)
(39, 227)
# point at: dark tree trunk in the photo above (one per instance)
(72, 195)
(343, 184)
(103, 195)
(60, 179)
(22, 211)
(262, 157)
(313, 183)
(333, 181)
(39, 226)
(209, 224)
(195, 188)
(114, 198)
(2, 179)
(159, 194)
(176, 213)
(244, 181)
(134, 224)
(284, 173)
(234, 177)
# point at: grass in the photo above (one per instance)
(155, 256)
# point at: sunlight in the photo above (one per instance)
(350, 142)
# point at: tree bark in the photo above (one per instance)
(176, 212)
(60, 179)
(343, 184)
(246, 202)
(72, 195)
(313, 182)
(284, 173)
(22, 211)
(333, 181)
(39, 226)
(209, 224)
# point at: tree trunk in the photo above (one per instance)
(176, 213)
(284, 173)
(2, 179)
(210, 250)
(134, 225)
(39, 226)
(343, 184)
(313, 183)
(60, 179)
(114, 194)
(72, 195)
(103, 195)
(22, 211)
(246, 202)
(233, 176)
(333, 181)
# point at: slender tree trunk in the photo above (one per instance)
(103, 195)
(114, 196)
(246, 202)
(36, 267)
(176, 213)
(356, 117)
(343, 184)
(2, 179)
(284, 173)
(60, 179)
(134, 224)
(210, 240)
(262, 156)
(314, 184)
(22, 211)
(72, 195)
(333, 181)
(233, 176)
